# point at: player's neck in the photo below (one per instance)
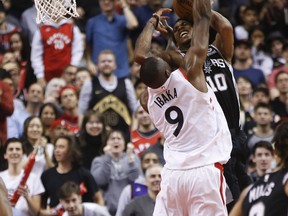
(260, 172)
(185, 46)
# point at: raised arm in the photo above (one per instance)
(224, 40)
(196, 54)
(131, 19)
(143, 43)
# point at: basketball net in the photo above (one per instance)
(52, 10)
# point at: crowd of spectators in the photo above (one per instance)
(70, 88)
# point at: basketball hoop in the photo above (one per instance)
(52, 10)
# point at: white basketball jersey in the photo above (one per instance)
(192, 123)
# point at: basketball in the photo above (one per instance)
(183, 9)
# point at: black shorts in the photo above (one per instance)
(234, 170)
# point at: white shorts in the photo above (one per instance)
(194, 192)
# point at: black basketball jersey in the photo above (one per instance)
(267, 197)
(219, 76)
(112, 105)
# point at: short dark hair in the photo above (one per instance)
(68, 66)
(83, 69)
(67, 189)
(13, 140)
(152, 72)
(264, 90)
(263, 144)
(247, 80)
(250, 8)
(262, 105)
(112, 132)
(278, 74)
(245, 42)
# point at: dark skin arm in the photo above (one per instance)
(144, 99)
(237, 209)
(224, 40)
(196, 54)
(143, 43)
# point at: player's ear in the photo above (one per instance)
(167, 72)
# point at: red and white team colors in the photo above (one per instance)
(192, 122)
(197, 142)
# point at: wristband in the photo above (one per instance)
(157, 20)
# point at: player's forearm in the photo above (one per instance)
(201, 10)
(196, 54)
(225, 36)
(143, 43)
(201, 16)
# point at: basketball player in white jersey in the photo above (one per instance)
(219, 76)
(186, 112)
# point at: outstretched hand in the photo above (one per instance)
(163, 26)
(165, 29)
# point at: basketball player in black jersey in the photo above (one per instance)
(219, 76)
(269, 195)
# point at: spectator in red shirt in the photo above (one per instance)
(6, 109)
